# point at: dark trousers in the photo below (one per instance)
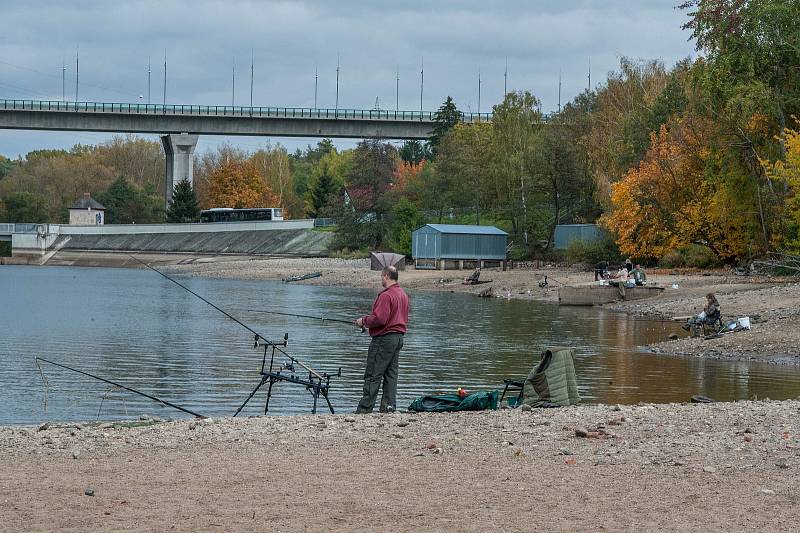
(383, 359)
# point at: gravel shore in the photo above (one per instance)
(688, 467)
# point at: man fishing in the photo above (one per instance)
(387, 324)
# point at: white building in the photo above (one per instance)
(87, 212)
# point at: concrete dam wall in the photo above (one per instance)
(301, 242)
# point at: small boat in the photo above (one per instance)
(301, 277)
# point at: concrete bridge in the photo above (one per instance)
(219, 120)
(180, 125)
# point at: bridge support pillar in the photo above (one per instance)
(179, 150)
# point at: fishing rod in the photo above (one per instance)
(140, 393)
(258, 336)
(323, 318)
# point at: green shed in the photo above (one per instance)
(458, 246)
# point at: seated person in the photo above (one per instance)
(638, 275)
(710, 315)
(622, 274)
(601, 271)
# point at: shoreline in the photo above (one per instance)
(726, 466)
(773, 304)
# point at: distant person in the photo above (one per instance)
(639, 275)
(601, 271)
(710, 315)
(387, 324)
(628, 265)
(622, 274)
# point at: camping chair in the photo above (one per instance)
(708, 327)
(473, 278)
(551, 383)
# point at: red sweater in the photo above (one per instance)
(389, 312)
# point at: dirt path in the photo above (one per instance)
(713, 467)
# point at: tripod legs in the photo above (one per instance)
(253, 394)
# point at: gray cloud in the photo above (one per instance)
(373, 40)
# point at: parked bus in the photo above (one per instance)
(228, 214)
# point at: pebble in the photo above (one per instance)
(437, 451)
(767, 492)
(76, 454)
(44, 426)
(709, 469)
(525, 407)
(397, 435)
(349, 419)
(89, 492)
(402, 424)
(782, 463)
(581, 432)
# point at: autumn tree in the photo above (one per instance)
(138, 160)
(273, 164)
(787, 171)
(622, 121)
(238, 184)
(679, 195)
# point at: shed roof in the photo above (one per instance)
(87, 202)
(467, 228)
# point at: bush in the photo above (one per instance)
(347, 253)
(692, 256)
(592, 252)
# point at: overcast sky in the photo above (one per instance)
(374, 40)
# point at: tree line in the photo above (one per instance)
(701, 159)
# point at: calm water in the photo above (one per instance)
(137, 328)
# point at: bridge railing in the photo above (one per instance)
(230, 111)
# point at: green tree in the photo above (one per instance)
(184, 206)
(414, 152)
(127, 204)
(361, 217)
(25, 207)
(404, 218)
(444, 119)
(6, 166)
(516, 124)
(324, 190)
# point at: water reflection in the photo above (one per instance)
(135, 327)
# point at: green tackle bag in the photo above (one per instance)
(438, 403)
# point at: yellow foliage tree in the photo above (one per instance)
(677, 196)
(788, 172)
(238, 184)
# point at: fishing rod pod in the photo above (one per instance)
(317, 383)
